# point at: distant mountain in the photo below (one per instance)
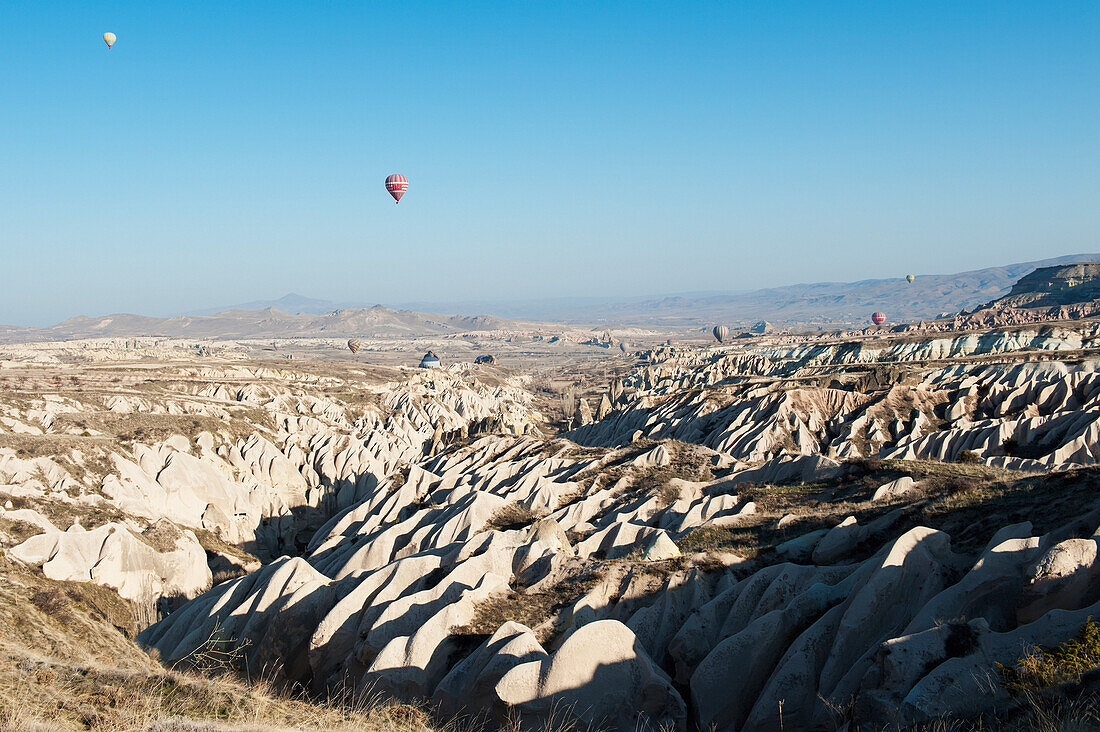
(377, 321)
(817, 304)
(290, 303)
(824, 304)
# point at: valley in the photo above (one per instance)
(784, 532)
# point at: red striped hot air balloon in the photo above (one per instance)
(397, 184)
(878, 318)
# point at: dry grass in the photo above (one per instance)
(1059, 712)
(968, 502)
(67, 661)
(161, 536)
(63, 515)
(227, 561)
(511, 516)
(1041, 668)
(43, 694)
(531, 609)
(14, 532)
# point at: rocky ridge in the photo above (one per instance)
(748, 537)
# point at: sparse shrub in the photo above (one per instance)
(969, 457)
(1042, 668)
(706, 538)
(951, 485)
(1010, 446)
(868, 465)
(961, 640)
(51, 601)
(668, 494)
(746, 491)
(512, 516)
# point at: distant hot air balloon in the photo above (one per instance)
(909, 278)
(354, 344)
(720, 332)
(878, 318)
(397, 184)
(109, 39)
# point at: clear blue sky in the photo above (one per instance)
(230, 151)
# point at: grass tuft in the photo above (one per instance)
(1042, 668)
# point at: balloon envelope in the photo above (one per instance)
(109, 39)
(354, 344)
(397, 184)
(878, 318)
(720, 332)
(909, 278)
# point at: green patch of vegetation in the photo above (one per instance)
(1042, 668)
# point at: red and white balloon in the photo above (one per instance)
(397, 184)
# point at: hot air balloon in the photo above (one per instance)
(878, 318)
(354, 344)
(909, 278)
(109, 39)
(397, 184)
(721, 332)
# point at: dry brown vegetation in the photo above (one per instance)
(967, 501)
(511, 516)
(64, 515)
(531, 608)
(68, 661)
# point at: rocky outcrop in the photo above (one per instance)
(656, 581)
(603, 676)
(165, 561)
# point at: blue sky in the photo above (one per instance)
(230, 151)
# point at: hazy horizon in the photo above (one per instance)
(562, 309)
(228, 153)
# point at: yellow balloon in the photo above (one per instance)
(109, 39)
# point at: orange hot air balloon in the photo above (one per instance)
(109, 39)
(397, 184)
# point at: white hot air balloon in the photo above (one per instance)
(109, 39)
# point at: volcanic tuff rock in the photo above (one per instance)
(752, 538)
(1060, 285)
(268, 490)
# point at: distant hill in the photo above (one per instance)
(818, 304)
(377, 321)
(290, 303)
(824, 304)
